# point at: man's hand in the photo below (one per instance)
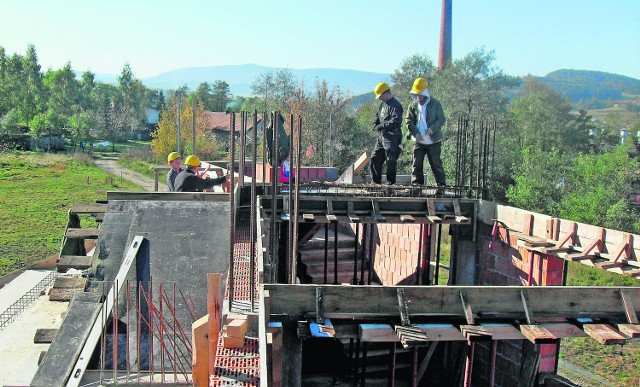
(429, 132)
(418, 137)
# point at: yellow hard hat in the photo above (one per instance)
(419, 85)
(380, 89)
(172, 156)
(192, 161)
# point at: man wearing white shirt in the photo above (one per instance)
(425, 119)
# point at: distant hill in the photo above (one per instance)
(240, 77)
(591, 89)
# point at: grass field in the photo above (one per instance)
(37, 191)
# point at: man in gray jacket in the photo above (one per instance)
(425, 119)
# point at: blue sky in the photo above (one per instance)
(528, 36)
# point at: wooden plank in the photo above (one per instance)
(214, 310)
(70, 283)
(308, 217)
(411, 336)
(384, 333)
(62, 295)
(475, 333)
(630, 330)
(274, 332)
(200, 358)
(538, 334)
(82, 233)
(88, 208)
(80, 262)
(407, 219)
(604, 334)
(44, 336)
(562, 330)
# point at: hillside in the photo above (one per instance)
(240, 77)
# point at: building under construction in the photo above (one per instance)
(329, 280)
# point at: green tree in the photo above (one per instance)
(32, 96)
(220, 96)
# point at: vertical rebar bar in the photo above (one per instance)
(126, 344)
(419, 257)
(242, 149)
(326, 252)
(161, 329)
(363, 374)
(391, 381)
(254, 202)
(362, 253)
(175, 353)
(471, 156)
(492, 367)
(193, 126)
(335, 254)
(480, 167)
(371, 255)
(232, 221)
(294, 259)
(427, 250)
(274, 161)
(264, 152)
(291, 242)
(138, 330)
(414, 367)
(437, 270)
(151, 320)
(354, 281)
(115, 330)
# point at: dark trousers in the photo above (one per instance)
(433, 155)
(386, 149)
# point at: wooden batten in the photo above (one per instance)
(604, 334)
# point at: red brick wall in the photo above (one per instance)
(396, 251)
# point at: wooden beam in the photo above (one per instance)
(629, 310)
(487, 301)
(82, 233)
(88, 208)
(274, 341)
(200, 344)
(80, 262)
(214, 310)
(538, 334)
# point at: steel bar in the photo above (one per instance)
(335, 254)
(469, 364)
(177, 326)
(427, 250)
(128, 356)
(391, 380)
(254, 202)
(192, 314)
(414, 367)
(294, 260)
(363, 374)
(115, 329)
(162, 348)
(362, 253)
(242, 149)
(150, 307)
(273, 232)
(138, 329)
(471, 158)
(232, 223)
(354, 281)
(492, 366)
(419, 257)
(193, 127)
(453, 272)
(175, 320)
(290, 240)
(371, 253)
(438, 249)
(326, 251)
(356, 369)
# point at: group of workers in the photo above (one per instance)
(189, 179)
(424, 121)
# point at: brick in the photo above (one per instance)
(232, 342)
(237, 328)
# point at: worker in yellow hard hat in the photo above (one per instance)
(425, 119)
(388, 124)
(189, 181)
(174, 159)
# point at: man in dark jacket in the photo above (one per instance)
(174, 159)
(189, 181)
(425, 119)
(388, 123)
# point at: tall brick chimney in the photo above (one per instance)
(445, 35)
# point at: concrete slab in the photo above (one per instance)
(18, 354)
(15, 289)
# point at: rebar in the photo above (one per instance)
(232, 223)
(252, 218)
(14, 310)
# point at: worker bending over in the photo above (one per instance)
(189, 181)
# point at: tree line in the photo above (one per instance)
(549, 158)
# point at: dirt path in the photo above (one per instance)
(110, 165)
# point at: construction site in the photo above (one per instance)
(326, 279)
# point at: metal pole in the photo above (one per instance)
(335, 253)
(232, 222)
(492, 367)
(437, 272)
(274, 196)
(354, 281)
(362, 254)
(326, 251)
(264, 152)
(243, 144)
(330, 139)
(419, 263)
(291, 204)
